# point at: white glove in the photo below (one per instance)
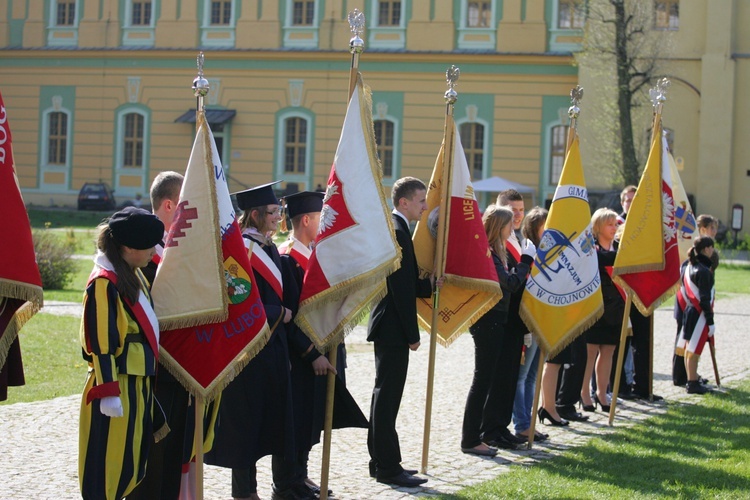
(529, 249)
(711, 330)
(527, 340)
(111, 406)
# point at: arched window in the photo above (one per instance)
(57, 138)
(472, 139)
(558, 140)
(132, 140)
(384, 138)
(295, 145)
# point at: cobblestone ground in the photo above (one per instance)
(39, 440)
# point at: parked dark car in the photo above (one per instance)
(96, 196)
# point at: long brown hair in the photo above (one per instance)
(699, 244)
(128, 283)
(495, 218)
(535, 218)
(257, 221)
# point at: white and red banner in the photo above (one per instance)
(20, 283)
(648, 260)
(471, 285)
(355, 249)
(210, 314)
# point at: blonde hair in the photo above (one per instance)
(601, 217)
(495, 219)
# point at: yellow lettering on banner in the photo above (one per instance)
(468, 208)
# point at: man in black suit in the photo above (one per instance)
(393, 327)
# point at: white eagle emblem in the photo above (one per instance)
(668, 217)
(328, 214)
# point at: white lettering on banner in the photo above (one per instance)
(3, 134)
(571, 191)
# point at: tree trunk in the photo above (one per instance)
(629, 160)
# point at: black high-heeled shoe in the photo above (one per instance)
(586, 407)
(544, 414)
(596, 401)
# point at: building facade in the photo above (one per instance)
(100, 90)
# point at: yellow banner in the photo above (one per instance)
(563, 292)
(642, 243)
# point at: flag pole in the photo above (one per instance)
(712, 348)
(537, 392)
(200, 90)
(356, 46)
(620, 354)
(451, 76)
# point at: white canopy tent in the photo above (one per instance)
(497, 184)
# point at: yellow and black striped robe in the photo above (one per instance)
(122, 361)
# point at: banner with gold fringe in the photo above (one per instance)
(471, 285)
(355, 249)
(563, 294)
(648, 261)
(20, 283)
(205, 259)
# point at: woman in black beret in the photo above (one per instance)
(120, 341)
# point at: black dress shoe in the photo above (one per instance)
(572, 415)
(509, 436)
(374, 470)
(411, 472)
(647, 397)
(403, 479)
(296, 492)
(314, 487)
(501, 442)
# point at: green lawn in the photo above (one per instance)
(696, 450)
(56, 218)
(52, 360)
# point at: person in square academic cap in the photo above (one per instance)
(120, 341)
(255, 413)
(309, 366)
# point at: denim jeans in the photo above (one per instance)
(525, 388)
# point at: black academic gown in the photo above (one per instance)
(255, 414)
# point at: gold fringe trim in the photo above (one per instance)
(477, 284)
(19, 318)
(22, 291)
(161, 433)
(642, 308)
(446, 341)
(550, 350)
(225, 376)
(191, 320)
(639, 268)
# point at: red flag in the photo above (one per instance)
(205, 351)
(20, 283)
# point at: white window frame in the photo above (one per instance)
(62, 36)
(387, 37)
(302, 179)
(566, 34)
(485, 139)
(300, 36)
(467, 36)
(44, 165)
(120, 168)
(227, 33)
(396, 166)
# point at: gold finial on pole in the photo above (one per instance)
(658, 94)
(452, 75)
(576, 95)
(356, 46)
(200, 84)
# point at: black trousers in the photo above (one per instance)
(488, 334)
(503, 388)
(391, 366)
(571, 376)
(164, 466)
(641, 343)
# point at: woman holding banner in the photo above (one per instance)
(488, 333)
(604, 335)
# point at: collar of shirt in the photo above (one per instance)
(401, 215)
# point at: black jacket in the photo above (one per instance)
(393, 321)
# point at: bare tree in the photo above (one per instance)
(621, 49)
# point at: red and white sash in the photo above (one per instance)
(298, 251)
(265, 266)
(513, 247)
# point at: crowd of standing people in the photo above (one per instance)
(136, 431)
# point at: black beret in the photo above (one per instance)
(136, 228)
(304, 202)
(257, 196)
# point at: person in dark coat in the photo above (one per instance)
(603, 335)
(255, 414)
(489, 332)
(394, 330)
(309, 366)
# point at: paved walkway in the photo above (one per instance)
(39, 440)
